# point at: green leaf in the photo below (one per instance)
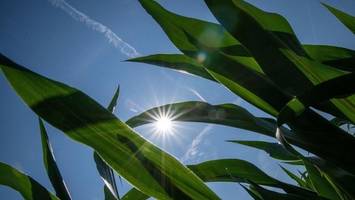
(51, 166)
(231, 170)
(271, 195)
(346, 19)
(207, 42)
(135, 194)
(322, 92)
(321, 183)
(316, 179)
(298, 180)
(235, 170)
(25, 185)
(340, 58)
(246, 23)
(275, 150)
(177, 62)
(223, 114)
(104, 170)
(254, 194)
(144, 165)
(108, 194)
(277, 50)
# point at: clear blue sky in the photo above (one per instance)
(47, 40)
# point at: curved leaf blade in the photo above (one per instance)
(275, 150)
(223, 114)
(84, 120)
(28, 187)
(346, 19)
(177, 62)
(338, 57)
(104, 170)
(51, 166)
(135, 194)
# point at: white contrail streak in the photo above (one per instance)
(113, 39)
(193, 149)
(197, 94)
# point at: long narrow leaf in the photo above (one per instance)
(134, 194)
(346, 19)
(104, 170)
(51, 166)
(25, 185)
(196, 111)
(275, 150)
(144, 165)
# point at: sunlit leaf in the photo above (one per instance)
(144, 165)
(196, 111)
(134, 194)
(104, 170)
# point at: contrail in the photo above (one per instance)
(113, 39)
(197, 94)
(193, 149)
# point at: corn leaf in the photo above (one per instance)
(177, 62)
(346, 19)
(337, 57)
(230, 67)
(277, 50)
(51, 166)
(25, 185)
(144, 165)
(298, 180)
(275, 150)
(134, 194)
(196, 111)
(104, 170)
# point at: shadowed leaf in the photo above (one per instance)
(144, 165)
(25, 185)
(51, 166)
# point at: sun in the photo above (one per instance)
(164, 124)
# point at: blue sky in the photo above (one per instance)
(46, 39)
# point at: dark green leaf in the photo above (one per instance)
(177, 62)
(275, 150)
(271, 195)
(334, 88)
(233, 67)
(321, 183)
(51, 166)
(277, 50)
(144, 165)
(28, 187)
(346, 19)
(337, 57)
(234, 170)
(298, 180)
(108, 194)
(231, 170)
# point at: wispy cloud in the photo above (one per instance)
(113, 39)
(192, 151)
(197, 94)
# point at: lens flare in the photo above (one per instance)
(164, 124)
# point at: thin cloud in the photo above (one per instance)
(193, 149)
(198, 95)
(112, 38)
